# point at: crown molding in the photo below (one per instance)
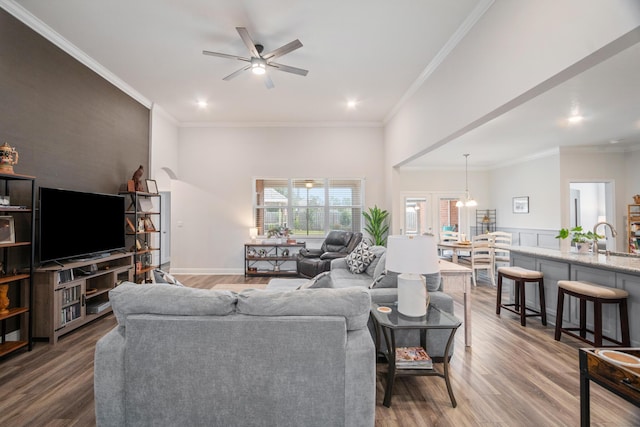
(281, 125)
(48, 33)
(442, 54)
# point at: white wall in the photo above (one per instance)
(514, 47)
(538, 179)
(164, 148)
(212, 200)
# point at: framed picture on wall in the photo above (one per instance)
(521, 204)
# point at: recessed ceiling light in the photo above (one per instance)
(351, 104)
(614, 141)
(575, 119)
(202, 104)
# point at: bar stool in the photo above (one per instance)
(599, 295)
(521, 276)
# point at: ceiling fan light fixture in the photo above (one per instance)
(258, 66)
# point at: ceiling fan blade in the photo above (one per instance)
(268, 82)
(235, 73)
(288, 69)
(225, 55)
(246, 38)
(283, 50)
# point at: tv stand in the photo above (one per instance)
(91, 257)
(65, 300)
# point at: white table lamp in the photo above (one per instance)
(412, 256)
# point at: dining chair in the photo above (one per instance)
(482, 257)
(447, 236)
(501, 245)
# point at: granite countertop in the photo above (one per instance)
(622, 262)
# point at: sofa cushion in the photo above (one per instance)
(351, 303)
(378, 251)
(130, 298)
(390, 280)
(322, 280)
(360, 258)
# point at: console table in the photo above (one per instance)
(271, 259)
(459, 276)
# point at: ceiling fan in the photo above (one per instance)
(258, 62)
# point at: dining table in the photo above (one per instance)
(455, 247)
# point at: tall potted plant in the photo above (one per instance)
(376, 225)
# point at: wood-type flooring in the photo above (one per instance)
(512, 376)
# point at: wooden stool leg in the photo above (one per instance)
(523, 303)
(543, 304)
(624, 323)
(516, 299)
(597, 323)
(499, 294)
(583, 317)
(559, 309)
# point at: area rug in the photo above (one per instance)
(237, 287)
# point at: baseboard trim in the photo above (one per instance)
(207, 271)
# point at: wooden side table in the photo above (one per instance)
(619, 379)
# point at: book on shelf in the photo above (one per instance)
(413, 358)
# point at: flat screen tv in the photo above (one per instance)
(75, 224)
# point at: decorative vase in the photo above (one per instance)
(636, 199)
(565, 245)
(4, 300)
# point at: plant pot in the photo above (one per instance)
(565, 245)
(583, 248)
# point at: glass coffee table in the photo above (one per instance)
(391, 321)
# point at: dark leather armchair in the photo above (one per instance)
(337, 244)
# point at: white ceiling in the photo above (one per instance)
(372, 51)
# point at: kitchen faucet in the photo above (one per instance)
(614, 233)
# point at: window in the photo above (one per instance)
(308, 207)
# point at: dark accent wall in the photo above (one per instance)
(72, 128)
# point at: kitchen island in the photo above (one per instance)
(617, 271)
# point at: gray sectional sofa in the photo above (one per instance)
(382, 287)
(193, 357)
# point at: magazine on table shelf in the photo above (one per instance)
(413, 358)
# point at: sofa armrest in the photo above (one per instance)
(310, 253)
(339, 263)
(109, 379)
(333, 255)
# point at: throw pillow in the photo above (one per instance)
(162, 277)
(359, 258)
(322, 280)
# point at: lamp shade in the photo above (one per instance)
(412, 254)
(253, 232)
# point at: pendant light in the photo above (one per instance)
(469, 201)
